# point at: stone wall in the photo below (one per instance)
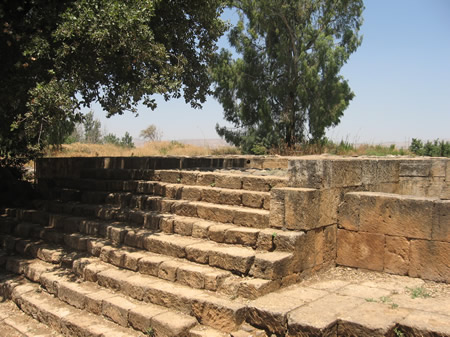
(390, 214)
(398, 234)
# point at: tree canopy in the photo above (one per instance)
(58, 56)
(284, 87)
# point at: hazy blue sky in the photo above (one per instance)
(400, 75)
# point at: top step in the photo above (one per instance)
(188, 177)
(107, 179)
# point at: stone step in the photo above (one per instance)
(223, 196)
(237, 259)
(165, 267)
(67, 188)
(15, 323)
(216, 195)
(78, 308)
(131, 220)
(234, 180)
(238, 215)
(220, 252)
(133, 292)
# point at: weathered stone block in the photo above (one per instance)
(261, 183)
(173, 191)
(211, 195)
(200, 229)
(348, 211)
(430, 260)
(360, 250)
(415, 168)
(254, 200)
(329, 201)
(287, 241)
(117, 308)
(277, 210)
(255, 218)
(192, 193)
(369, 171)
(215, 213)
(396, 215)
(329, 244)
(206, 179)
(266, 238)
(191, 275)
(309, 251)
(438, 167)
(231, 258)
(189, 178)
(396, 255)
(306, 173)
(170, 176)
(344, 172)
(217, 232)
(168, 270)
(230, 197)
(242, 236)
(387, 171)
(150, 264)
(183, 226)
(301, 208)
(441, 221)
(228, 181)
(421, 186)
(140, 316)
(271, 266)
(185, 209)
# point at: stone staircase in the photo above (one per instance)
(143, 251)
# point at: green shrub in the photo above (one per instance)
(437, 148)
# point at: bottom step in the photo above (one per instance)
(15, 323)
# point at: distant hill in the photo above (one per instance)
(208, 143)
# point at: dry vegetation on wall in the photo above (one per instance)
(148, 149)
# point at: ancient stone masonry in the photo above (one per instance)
(179, 246)
(392, 214)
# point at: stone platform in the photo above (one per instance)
(232, 246)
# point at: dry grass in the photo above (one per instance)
(343, 148)
(173, 148)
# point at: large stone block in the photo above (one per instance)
(306, 173)
(396, 255)
(430, 260)
(299, 205)
(309, 251)
(254, 200)
(329, 244)
(330, 198)
(330, 173)
(276, 217)
(441, 221)
(360, 250)
(415, 168)
(387, 171)
(438, 167)
(345, 172)
(421, 186)
(396, 215)
(348, 211)
(301, 209)
(228, 181)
